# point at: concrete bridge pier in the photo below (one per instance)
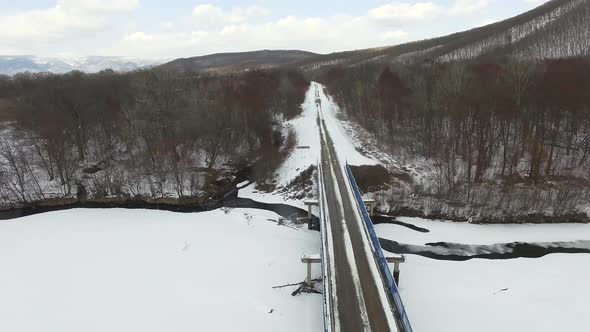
(310, 203)
(396, 266)
(310, 259)
(316, 259)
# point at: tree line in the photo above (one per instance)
(151, 132)
(477, 122)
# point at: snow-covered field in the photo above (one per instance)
(465, 233)
(137, 270)
(542, 294)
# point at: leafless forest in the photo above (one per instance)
(153, 133)
(496, 119)
(490, 124)
(504, 136)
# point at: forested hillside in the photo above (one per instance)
(498, 138)
(497, 118)
(236, 62)
(556, 29)
(151, 133)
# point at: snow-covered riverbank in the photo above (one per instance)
(137, 270)
(541, 294)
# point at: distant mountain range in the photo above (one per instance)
(10, 65)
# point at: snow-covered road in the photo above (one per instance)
(359, 298)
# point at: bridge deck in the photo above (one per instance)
(360, 301)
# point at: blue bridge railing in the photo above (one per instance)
(383, 266)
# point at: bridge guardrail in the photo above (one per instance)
(383, 266)
(327, 287)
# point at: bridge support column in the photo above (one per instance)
(310, 259)
(396, 266)
(370, 204)
(309, 204)
(308, 280)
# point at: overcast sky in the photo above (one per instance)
(182, 28)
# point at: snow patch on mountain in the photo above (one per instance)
(11, 65)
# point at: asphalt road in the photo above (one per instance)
(358, 303)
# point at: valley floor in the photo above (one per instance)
(122, 270)
(138, 270)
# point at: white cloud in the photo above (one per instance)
(395, 13)
(337, 33)
(98, 6)
(92, 27)
(139, 36)
(466, 7)
(394, 36)
(66, 19)
(211, 16)
(167, 25)
(215, 29)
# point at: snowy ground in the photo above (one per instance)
(446, 231)
(543, 294)
(306, 155)
(136, 270)
(347, 147)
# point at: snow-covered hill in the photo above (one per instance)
(10, 65)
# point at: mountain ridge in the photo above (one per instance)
(237, 61)
(529, 35)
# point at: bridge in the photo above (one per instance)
(360, 294)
